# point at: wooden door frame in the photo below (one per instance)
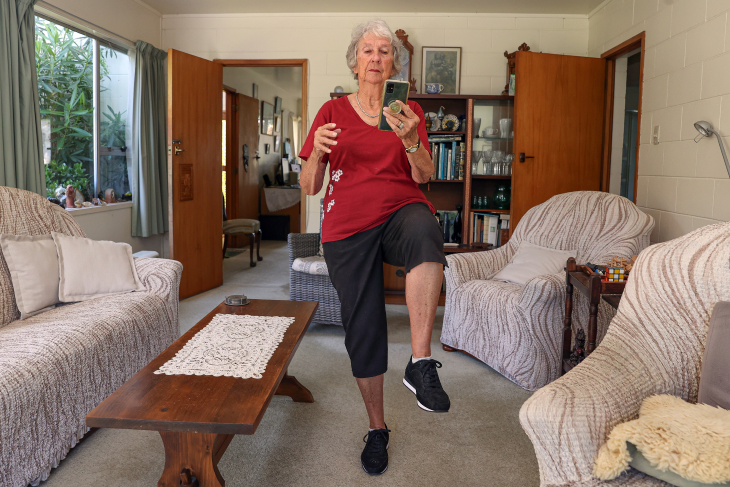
(636, 42)
(281, 63)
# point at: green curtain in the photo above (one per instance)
(147, 154)
(21, 144)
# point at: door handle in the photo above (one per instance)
(523, 157)
(178, 150)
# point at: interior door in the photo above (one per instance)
(559, 104)
(248, 170)
(194, 136)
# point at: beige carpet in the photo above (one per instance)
(478, 443)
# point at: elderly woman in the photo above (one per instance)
(374, 212)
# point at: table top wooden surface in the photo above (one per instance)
(204, 404)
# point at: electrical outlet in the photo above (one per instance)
(655, 135)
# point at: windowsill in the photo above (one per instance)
(100, 209)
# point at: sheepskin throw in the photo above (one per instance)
(691, 440)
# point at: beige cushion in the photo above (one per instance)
(314, 265)
(531, 261)
(241, 225)
(715, 376)
(33, 266)
(91, 269)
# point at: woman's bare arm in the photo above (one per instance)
(313, 171)
(421, 164)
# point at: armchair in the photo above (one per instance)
(517, 330)
(654, 345)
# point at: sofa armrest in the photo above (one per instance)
(571, 418)
(470, 266)
(161, 277)
(302, 245)
(541, 288)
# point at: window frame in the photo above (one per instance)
(99, 39)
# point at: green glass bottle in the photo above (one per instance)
(501, 198)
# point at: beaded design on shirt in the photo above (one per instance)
(331, 189)
(330, 205)
(336, 175)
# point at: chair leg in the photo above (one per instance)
(225, 245)
(258, 246)
(251, 240)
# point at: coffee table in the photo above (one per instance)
(197, 416)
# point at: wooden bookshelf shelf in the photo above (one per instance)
(444, 181)
(486, 210)
(446, 132)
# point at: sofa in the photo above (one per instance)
(57, 366)
(654, 345)
(518, 330)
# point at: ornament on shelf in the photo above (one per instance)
(70, 196)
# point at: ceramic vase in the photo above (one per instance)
(477, 125)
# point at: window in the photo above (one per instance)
(81, 78)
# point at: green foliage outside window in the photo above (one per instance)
(65, 65)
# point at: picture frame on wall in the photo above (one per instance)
(255, 91)
(267, 118)
(267, 148)
(277, 143)
(277, 123)
(441, 66)
(277, 105)
(406, 56)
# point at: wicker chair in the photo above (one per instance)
(308, 287)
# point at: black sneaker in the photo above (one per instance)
(423, 381)
(374, 456)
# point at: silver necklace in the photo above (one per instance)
(361, 108)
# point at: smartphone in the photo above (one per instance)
(392, 91)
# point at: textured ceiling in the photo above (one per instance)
(385, 6)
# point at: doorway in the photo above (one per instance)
(266, 118)
(625, 70)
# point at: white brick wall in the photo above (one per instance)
(683, 185)
(323, 39)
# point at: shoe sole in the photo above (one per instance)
(413, 390)
(375, 474)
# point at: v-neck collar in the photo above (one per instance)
(357, 115)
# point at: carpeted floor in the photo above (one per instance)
(478, 443)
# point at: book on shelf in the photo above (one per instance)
(448, 152)
(491, 228)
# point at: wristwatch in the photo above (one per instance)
(413, 148)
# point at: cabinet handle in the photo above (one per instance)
(523, 157)
(400, 273)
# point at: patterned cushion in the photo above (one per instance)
(314, 265)
(241, 225)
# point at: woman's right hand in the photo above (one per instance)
(324, 138)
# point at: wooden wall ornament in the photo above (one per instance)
(511, 64)
(186, 182)
(405, 74)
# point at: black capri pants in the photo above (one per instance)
(409, 237)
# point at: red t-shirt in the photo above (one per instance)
(370, 176)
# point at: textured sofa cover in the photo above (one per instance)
(57, 366)
(518, 330)
(654, 345)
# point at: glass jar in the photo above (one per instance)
(474, 202)
(501, 198)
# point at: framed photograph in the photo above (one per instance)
(441, 66)
(406, 57)
(277, 105)
(277, 143)
(267, 118)
(277, 123)
(267, 148)
(255, 91)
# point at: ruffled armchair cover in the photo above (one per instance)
(517, 330)
(654, 345)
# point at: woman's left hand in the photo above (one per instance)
(407, 132)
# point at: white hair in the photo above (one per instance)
(380, 29)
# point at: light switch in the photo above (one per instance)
(655, 135)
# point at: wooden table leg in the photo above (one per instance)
(568, 320)
(291, 387)
(595, 299)
(191, 459)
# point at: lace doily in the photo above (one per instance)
(230, 346)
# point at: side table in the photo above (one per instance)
(591, 285)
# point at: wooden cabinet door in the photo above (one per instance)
(559, 103)
(194, 134)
